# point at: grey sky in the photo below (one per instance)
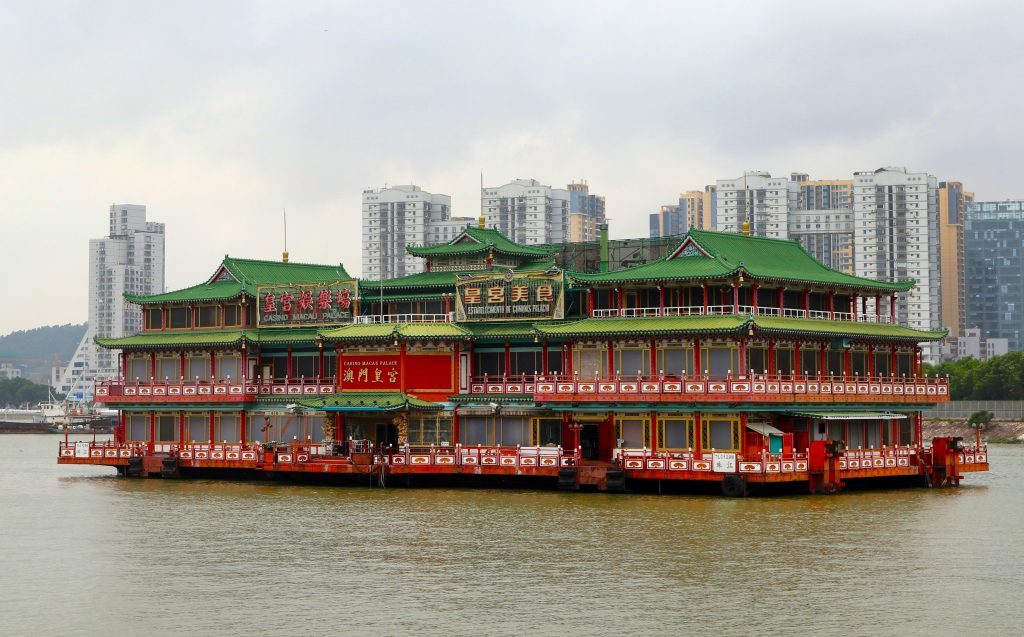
(217, 115)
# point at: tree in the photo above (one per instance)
(981, 419)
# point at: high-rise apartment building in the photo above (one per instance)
(130, 260)
(756, 198)
(586, 212)
(670, 220)
(953, 201)
(896, 235)
(526, 211)
(994, 256)
(821, 219)
(398, 216)
(693, 211)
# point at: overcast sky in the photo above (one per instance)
(217, 115)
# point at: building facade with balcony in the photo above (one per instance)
(734, 360)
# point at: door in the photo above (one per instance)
(589, 440)
(386, 435)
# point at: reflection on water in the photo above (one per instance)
(84, 552)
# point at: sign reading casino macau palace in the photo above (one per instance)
(299, 304)
(510, 297)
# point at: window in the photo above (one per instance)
(634, 433)
(632, 360)
(590, 361)
(675, 360)
(207, 316)
(154, 318)
(426, 429)
(168, 368)
(197, 427)
(720, 433)
(138, 368)
(167, 428)
(232, 315)
(137, 427)
(721, 359)
(197, 368)
(227, 428)
(229, 366)
(506, 431)
(179, 318)
(675, 433)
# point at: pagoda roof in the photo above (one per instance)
(211, 338)
(480, 241)
(236, 276)
(386, 331)
(443, 279)
(731, 324)
(703, 254)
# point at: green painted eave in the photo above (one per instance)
(645, 327)
(216, 291)
(367, 289)
(252, 273)
(369, 401)
(841, 329)
(385, 331)
(480, 241)
(729, 254)
(164, 340)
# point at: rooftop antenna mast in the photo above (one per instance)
(284, 255)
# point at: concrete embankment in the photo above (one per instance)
(1002, 431)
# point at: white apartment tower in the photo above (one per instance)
(528, 212)
(896, 234)
(130, 259)
(398, 216)
(758, 198)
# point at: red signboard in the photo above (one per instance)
(382, 372)
(369, 372)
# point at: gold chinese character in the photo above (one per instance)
(545, 293)
(471, 295)
(377, 375)
(520, 293)
(364, 374)
(348, 376)
(392, 376)
(496, 294)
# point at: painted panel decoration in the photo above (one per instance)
(303, 304)
(510, 297)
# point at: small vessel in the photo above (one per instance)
(69, 416)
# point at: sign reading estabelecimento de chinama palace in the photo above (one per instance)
(299, 304)
(510, 297)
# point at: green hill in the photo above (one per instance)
(37, 348)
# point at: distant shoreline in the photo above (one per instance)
(1000, 431)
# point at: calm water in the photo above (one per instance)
(85, 553)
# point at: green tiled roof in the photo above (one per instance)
(248, 275)
(211, 338)
(159, 340)
(215, 291)
(369, 401)
(481, 331)
(479, 240)
(645, 326)
(411, 296)
(379, 331)
(729, 253)
(422, 280)
(841, 329)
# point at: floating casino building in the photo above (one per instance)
(733, 362)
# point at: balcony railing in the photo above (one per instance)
(223, 390)
(370, 319)
(710, 388)
(719, 310)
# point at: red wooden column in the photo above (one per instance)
(622, 300)
(892, 309)
(654, 431)
(288, 369)
(661, 300)
(508, 360)
(401, 367)
(735, 297)
(696, 356)
(807, 303)
(654, 359)
(780, 299)
(753, 299)
(797, 360)
(871, 361)
(853, 306)
(242, 425)
(704, 287)
(455, 426)
(447, 305)
(213, 425)
(917, 428)
(697, 442)
(152, 366)
(590, 302)
(892, 362)
(742, 371)
(320, 359)
(611, 359)
(917, 362)
(831, 305)
(152, 430)
(182, 357)
(822, 360)
(213, 366)
(771, 356)
(847, 363)
(181, 428)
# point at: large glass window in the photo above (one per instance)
(168, 368)
(430, 429)
(589, 361)
(632, 433)
(197, 427)
(675, 360)
(167, 428)
(489, 363)
(883, 365)
(836, 362)
(197, 367)
(137, 427)
(555, 360)
(757, 358)
(228, 428)
(720, 433)
(547, 432)
(810, 358)
(232, 315)
(675, 433)
(138, 368)
(229, 366)
(632, 360)
(784, 360)
(208, 316)
(179, 318)
(154, 318)
(506, 431)
(721, 360)
(859, 362)
(305, 366)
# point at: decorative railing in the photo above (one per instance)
(756, 387)
(479, 456)
(225, 390)
(720, 310)
(371, 319)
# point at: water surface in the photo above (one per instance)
(83, 552)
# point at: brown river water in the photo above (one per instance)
(83, 552)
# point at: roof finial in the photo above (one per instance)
(746, 227)
(284, 255)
